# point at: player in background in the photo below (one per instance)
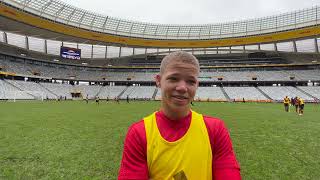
(301, 106)
(286, 102)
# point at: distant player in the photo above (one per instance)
(87, 99)
(301, 106)
(97, 100)
(286, 102)
(296, 104)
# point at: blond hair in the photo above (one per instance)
(179, 56)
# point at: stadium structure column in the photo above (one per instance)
(145, 54)
(5, 38)
(45, 46)
(275, 46)
(230, 50)
(105, 55)
(294, 46)
(259, 47)
(27, 42)
(120, 51)
(316, 47)
(91, 51)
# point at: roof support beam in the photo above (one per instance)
(45, 7)
(58, 12)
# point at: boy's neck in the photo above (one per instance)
(175, 115)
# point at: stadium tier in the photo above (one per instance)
(29, 78)
(311, 90)
(27, 90)
(25, 67)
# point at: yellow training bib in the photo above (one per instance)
(189, 157)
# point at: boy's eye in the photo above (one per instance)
(172, 78)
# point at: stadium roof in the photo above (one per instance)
(130, 33)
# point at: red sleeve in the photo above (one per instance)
(224, 163)
(134, 156)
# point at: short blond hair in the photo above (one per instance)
(179, 56)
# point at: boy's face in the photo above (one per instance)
(178, 84)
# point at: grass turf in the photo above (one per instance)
(75, 140)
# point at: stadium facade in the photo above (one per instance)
(253, 59)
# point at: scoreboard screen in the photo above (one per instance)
(70, 53)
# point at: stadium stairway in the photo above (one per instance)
(123, 92)
(19, 88)
(127, 92)
(268, 97)
(48, 89)
(101, 87)
(155, 93)
(225, 94)
(305, 92)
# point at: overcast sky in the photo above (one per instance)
(191, 11)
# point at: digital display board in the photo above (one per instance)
(70, 53)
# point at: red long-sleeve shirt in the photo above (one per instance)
(134, 157)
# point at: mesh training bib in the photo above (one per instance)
(189, 157)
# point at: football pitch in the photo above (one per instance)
(75, 140)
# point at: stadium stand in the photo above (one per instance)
(248, 93)
(312, 90)
(260, 59)
(210, 93)
(277, 93)
(111, 92)
(52, 70)
(34, 89)
(91, 91)
(9, 91)
(61, 90)
(139, 92)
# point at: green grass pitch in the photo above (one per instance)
(75, 140)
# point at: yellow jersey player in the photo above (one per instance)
(286, 102)
(301, 106)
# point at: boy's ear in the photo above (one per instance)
(157, 78)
